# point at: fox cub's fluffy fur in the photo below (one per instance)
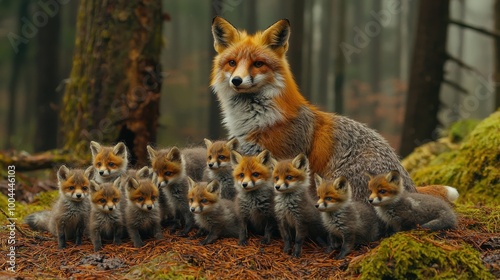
(255, 198)
(214, 215)
(263, 108)
(350, 222)
(69, 216)
(402, 210)
(297, 217)
(219, 165)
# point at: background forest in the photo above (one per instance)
(351, 57)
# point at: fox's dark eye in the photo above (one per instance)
(102, 200)
(382, 191)
(276, 178)
(71, 188)
(191, 200)
(221, 157)
(168, 173)
(328, 198)
(258, 64)
(153, 197)
(255, 174)
(204, 201)
(209, 157)
(99, 164)
(84, 188)
(115, 200)
(232, 63)
(241, 175)
(289, 177)
(140, 198)
(111, 164)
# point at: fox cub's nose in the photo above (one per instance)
(101, 172)
(211, 165)
(150, 207)
(317, 205)
(237, 81)
(78, 195)
(277, 187)
(370, 200)
(110, 208)
(192, 209)
(244, 184)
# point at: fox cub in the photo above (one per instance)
(348, 221)
(255, 198)
(109, 162)
(214, 215)
(69, 216)
(401, 210)
(294, 207)
(172, 168)
(263, 108)
(106, 216)
(219, 165)
(142, 216)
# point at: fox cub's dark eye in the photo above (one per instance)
(289, 177)
(102, 200)
(276, 178)
(258, 64)
(99, 164)
(382, 191)
(71, 188)
(168, 173)
(242, 175)
(221, 157)
(204, 201)
(328, 198)
(232, 63)
(111, 164)
(140, 198)
(255, 174)
(153, 197)
(209, 157)
(115, 200)
(84, 188)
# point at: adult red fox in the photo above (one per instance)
(263, 108)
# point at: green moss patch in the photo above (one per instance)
(43, 201)
(166, 266)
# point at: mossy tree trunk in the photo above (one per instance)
(114, 87)
(426, 75)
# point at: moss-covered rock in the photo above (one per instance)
(481, 218)
(461, 129)
(420, 255)
(473, 168)
(43, 201)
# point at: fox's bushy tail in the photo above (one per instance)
(38, 221)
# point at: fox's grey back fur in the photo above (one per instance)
(177, 200)
(356, 148)
(413, 209)
(224, 175)
(222, 219)
(195, 162)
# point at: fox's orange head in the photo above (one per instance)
(332, 194)
(73, 184)
(105, 196)
(168, 164)
(290, 175)
(249, 63)
(251, 172)
(385, 188)
(142, 193)
(219, 153)
(203, 196)
(109, 160)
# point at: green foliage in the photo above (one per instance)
(43, 201)
(483, 218)
(473, 168)
(166, 266)
(461, 129)
(419, 255)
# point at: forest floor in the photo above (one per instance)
(37, 255)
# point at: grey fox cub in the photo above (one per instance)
(219, 165)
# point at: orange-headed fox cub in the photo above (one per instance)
(401, 210)
(447, 193)
(255, 196)
(214, 215)
(219, 165)
(109, 162)
(172, 167)
(348, 221)
(263, 108)
(142, 216)
(106, 217)
(69, 216)
(294, 207)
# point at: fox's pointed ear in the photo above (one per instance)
(214, 187)
(236, 158)
(224, 34)
(369, 174)
(233, 144)
(95, 148)
(318, 180)
(120, 150)
(174, 154)
(144, 173)
(264, 157)
(63, 173)
(341, 183)
(151, 152)
(132, 184)
(89, 172)
(276, 36)
(208, 143)
(191, 183)
(393, 177)
(94, 186)
(300, 162)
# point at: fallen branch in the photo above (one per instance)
(49, 159)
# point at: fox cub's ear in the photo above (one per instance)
(224, 34)
(265, 158)
(191, 183)
(151, 152)
(276, 36)
(300, 162)
(341, 183)
(393, 177)
(89, 172)
(62, 173)
(144, 173)
(174, 154)
(236, 158)
(95, 148)
(318, 180)
(208, 143)
(132, 184)
(94, 186)
(233, 144)
(120, 150)
(214, 187)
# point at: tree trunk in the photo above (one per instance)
(340, 61)
(113, 93)
(497, 55)
(47, 81)
(426, 74)
(296, 41)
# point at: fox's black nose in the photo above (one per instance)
(237, 81)
(101, 172)
(211, 165)
(110, 208)
(244, 185)
(317, 205)
(78, 195)
(150, 207)
(277, 187)
(192, 209)
(370, 200)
